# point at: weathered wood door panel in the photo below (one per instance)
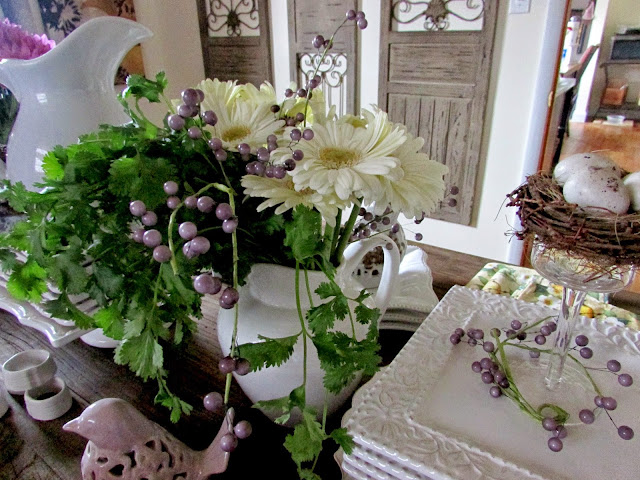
(434, 77)
(236, 40)
(339, 69)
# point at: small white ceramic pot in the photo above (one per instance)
(28, 369)
(48, 401)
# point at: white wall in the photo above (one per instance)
(174, 48)
(520, 81)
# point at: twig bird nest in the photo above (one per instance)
(597, 234)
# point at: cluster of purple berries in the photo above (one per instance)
(452, 192)
(491, 373)
(194, 244)
(372, 224)
(151, 238)
(262, 166)
(191, 98)
(606, 403)
(214, 402)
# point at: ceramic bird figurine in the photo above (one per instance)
(125, 445)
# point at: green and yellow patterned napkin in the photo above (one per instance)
(526, 284)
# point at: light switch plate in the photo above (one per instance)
(519, 6)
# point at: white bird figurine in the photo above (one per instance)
(125, 445)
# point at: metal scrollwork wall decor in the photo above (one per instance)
(436, 13)
(232, 18)
(333, 70)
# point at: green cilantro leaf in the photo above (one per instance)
(366, 315)
(342, 357)
(139, 86)
(141, 177)
(143, 354)
(304, 232)
(272, 352)
(66, 269)
(343, 439)
(328, 289)
(306, 441)
(109, 282)
(27, 281)
(52, 167)
(111, 321)
(321, 317)
(168, 400)
(7, 260)
(63, 308)
(340, 306)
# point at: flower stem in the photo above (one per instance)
(336, 233)
(336, 256)
(305, 334)
(234, 335)
(306, 281)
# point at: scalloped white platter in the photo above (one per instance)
(428, 416)
(57, 331)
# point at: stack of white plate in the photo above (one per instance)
(428, 416)
(413, 296)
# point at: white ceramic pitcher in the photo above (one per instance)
(267, 307)
(66, 92)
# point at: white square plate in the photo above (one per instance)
(429, 413)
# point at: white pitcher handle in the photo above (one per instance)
(354, 253)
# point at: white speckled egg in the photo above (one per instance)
(580, 161)
(599, 188)
(632, 182)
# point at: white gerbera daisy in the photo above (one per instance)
(418, 183)
(347, 160)
(245, 122)
(218, 94)
(266, 93)
(283, 194)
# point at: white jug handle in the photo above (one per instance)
(354, 253)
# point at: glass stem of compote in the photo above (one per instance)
(569, 312)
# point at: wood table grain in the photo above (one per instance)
(33, 450)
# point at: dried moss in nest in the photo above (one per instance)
(601, 236)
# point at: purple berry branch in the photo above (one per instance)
(494, 371)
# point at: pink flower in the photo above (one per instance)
(16, 43)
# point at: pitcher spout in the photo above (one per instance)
(102, 42)
(98, 46)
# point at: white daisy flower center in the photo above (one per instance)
(335, 158)
(236, 132)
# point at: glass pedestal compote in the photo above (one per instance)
(577, 276)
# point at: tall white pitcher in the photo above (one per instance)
(66, 92)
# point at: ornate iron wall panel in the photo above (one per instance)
(434, 15)
(236, 43)
(232, 18)
(339, 69)
(333, 71)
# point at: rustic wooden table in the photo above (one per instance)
(42, 450)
